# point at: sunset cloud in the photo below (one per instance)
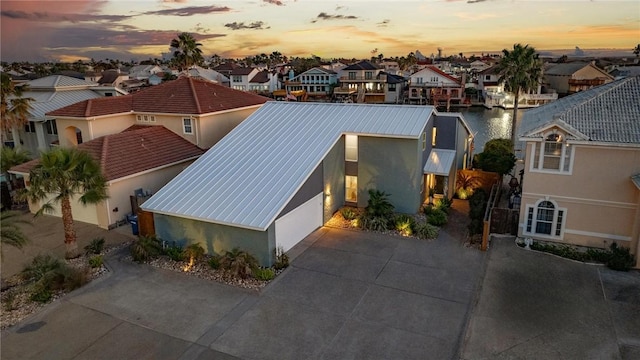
(57, 17)
(256, 25)
(274, 2)
(190, 11)
(325, 16)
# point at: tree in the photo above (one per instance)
(14, 109)
(10, 232)
(62, 175)
(496, 157)
(636, 50)
(186, 51)
(11, 157)
(520, 71)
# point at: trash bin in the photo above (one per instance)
(134, 224)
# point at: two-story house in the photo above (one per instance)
(241, 76)
(317, 82)
(569, 78)
(433, 86)
(306, 160)
(494, 94)
(362, 82)
(581, 180)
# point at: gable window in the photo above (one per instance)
(391, 87)
(419, 80)
(187, 126)
(433, 137)
(546, 219)
(487, 77)
(139, 117)
(553, 154)
(424, 141)
(351, 147)
(434, 79)
(351, 188)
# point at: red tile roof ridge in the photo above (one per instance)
(103, 155)
(195, 95)
(87, 110)
(434, 68)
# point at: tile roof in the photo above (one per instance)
(241, 71)
(565, 69)
(261, 77)
(132, 151)
(248, 177)
(606, 113)
(362, 65)
(442, 73)
(185, 95)
(108, 77)
(228, 66)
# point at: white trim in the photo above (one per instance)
(597, 234)
(191, 127)
(554, 222)
(583, 200)
(539, 153)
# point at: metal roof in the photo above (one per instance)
(440, 162)
(248, 177)
(606, 113)
(58, 81)
(46, 101)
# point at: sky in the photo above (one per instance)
(140, 29)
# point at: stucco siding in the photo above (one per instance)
(446, 132)
(216, 238)
(309, 189)
(333, 170)
(390, 165)
(215, 127)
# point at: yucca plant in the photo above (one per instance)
(238, 263)
(145, 248)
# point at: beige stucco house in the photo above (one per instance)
(200, 111)
(582, 168)
(569, 78)
(142, 157)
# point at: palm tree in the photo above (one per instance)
(10, 232)
(61, 175)
(186, 50)
(636, 50)
(11, 157)
(14, 109)
(520, 71)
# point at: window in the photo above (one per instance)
(237, 78)
(152, 118)
(30, 127)
(139, 117)
(546, 219)
(145, 118)
(108, 94)
(368, 75)
(351, 188)
(186, 126)
(52, 129)
(424, 141)
(487, 77)
(433, 137)
(553, 154)
(351, 147)
(434, 79)
(419, 80)
(352, 75)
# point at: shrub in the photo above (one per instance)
(378, 213)
(463, 193)
(465, 184)
(620, 258)
(214, 262)
(497, 156)
(145, 248)
(444, 204)
(427, 231)
(348, 213)
(175, 253)
(282, 259)
(40, 266)
(373, 223)
(475, 226)
(40, 294)
(264, 274)
(428, 209)
(238, 263)
(599, 255)
(95, 246)
(194, 251)
(95, 261)
(405, 224)
(437, 217)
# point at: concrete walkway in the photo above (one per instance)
(538, 306)
(349, 295)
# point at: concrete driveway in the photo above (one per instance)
(347, 295)
(538, 306)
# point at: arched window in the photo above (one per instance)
(546, 219)
(553, 154)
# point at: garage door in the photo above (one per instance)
(298, 223)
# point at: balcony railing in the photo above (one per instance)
(362, 78)
(590, 82)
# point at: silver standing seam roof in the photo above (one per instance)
(440, 162)
(248, 177)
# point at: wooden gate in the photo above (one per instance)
(504, 221)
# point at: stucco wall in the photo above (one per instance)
(215, 127)
(216, 238)
(333, 169)
(393, 166)
(602, 202)
(92, 129)
(311, 187)
(447, 132)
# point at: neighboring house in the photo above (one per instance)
(226, 69)
(316, 82)
(200, 111)
(142, 72)
(208, 74)
(289, 167)
(569, 78)
(113, 78)
(394, 89)
(494, 94)
(50, 93)
(625, 71)
(478, 66)
(241, 76)
(156, 79)
(390, 67)
(142, 157)
(581, 181)
(433, 86)
(361, 82)
(264, 82)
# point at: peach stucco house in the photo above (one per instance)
(582, 168)
(200, 111)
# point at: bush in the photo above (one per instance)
(175, 253)
(378, 213)
(427, 231)
(194, 251)
(264, 274)
(444, 204)
(40, 294)
(405, 224)
(40, 266)
(214, 262)
(373, 223)
(620, 258)
(238, 263)
(95, 261)
(348, 213)
(599, 255)
(49, 274)
(437, 217)
(95, 246)
(497, 156)
(282, 259)
(145, 248)
(475, 226)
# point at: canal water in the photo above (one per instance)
(487, 124)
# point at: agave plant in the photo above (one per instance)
(238, 263)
